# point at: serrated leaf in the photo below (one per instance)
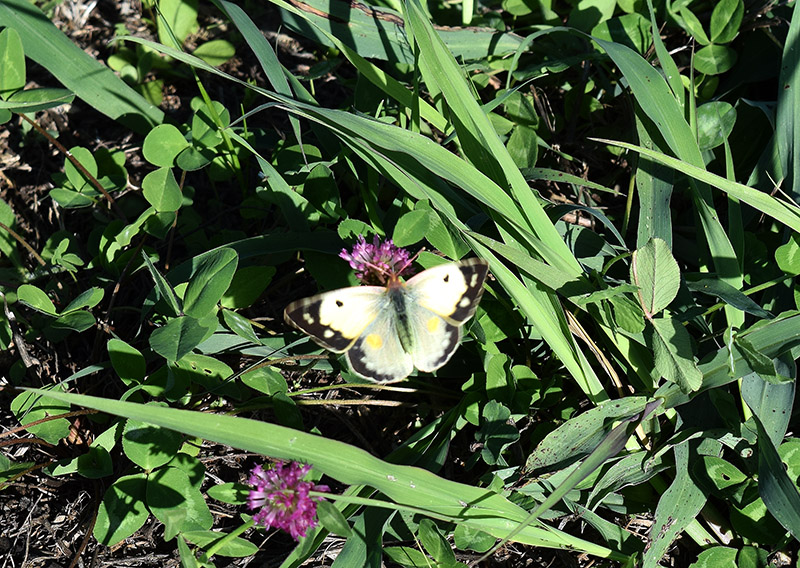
(674, 358)
(628, 314)
(657, 275)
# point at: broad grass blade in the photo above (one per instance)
(89, 79)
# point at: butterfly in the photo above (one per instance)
(386, 331)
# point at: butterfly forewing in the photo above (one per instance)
(451, 290)
(336, 319)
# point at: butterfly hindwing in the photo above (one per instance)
(337, 318)
(434, 339)
(378, 354)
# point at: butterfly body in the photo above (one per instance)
(387, 331)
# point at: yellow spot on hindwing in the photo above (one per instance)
(374, 340)
(433, 324)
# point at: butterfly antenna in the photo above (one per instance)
(410, 260)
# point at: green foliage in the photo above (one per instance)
(631, 356)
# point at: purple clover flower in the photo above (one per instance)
(283, 499)
(375, 263)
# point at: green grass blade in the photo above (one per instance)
(784, 212)
(671, 72)
(379, 33)
(778, 491)
(405, 485)
(677, 508)
(774, 338)
(275, 72)
(476, 134)
(787, 134)
(654, 188)
(658, 103)
(90, 80)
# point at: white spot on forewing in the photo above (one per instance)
(465, 301)
(328, 333)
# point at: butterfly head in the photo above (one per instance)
(378, 262)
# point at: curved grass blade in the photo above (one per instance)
(409, 486)
(786, 213)
(778, 491)
(657, 101)
(89, 79)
